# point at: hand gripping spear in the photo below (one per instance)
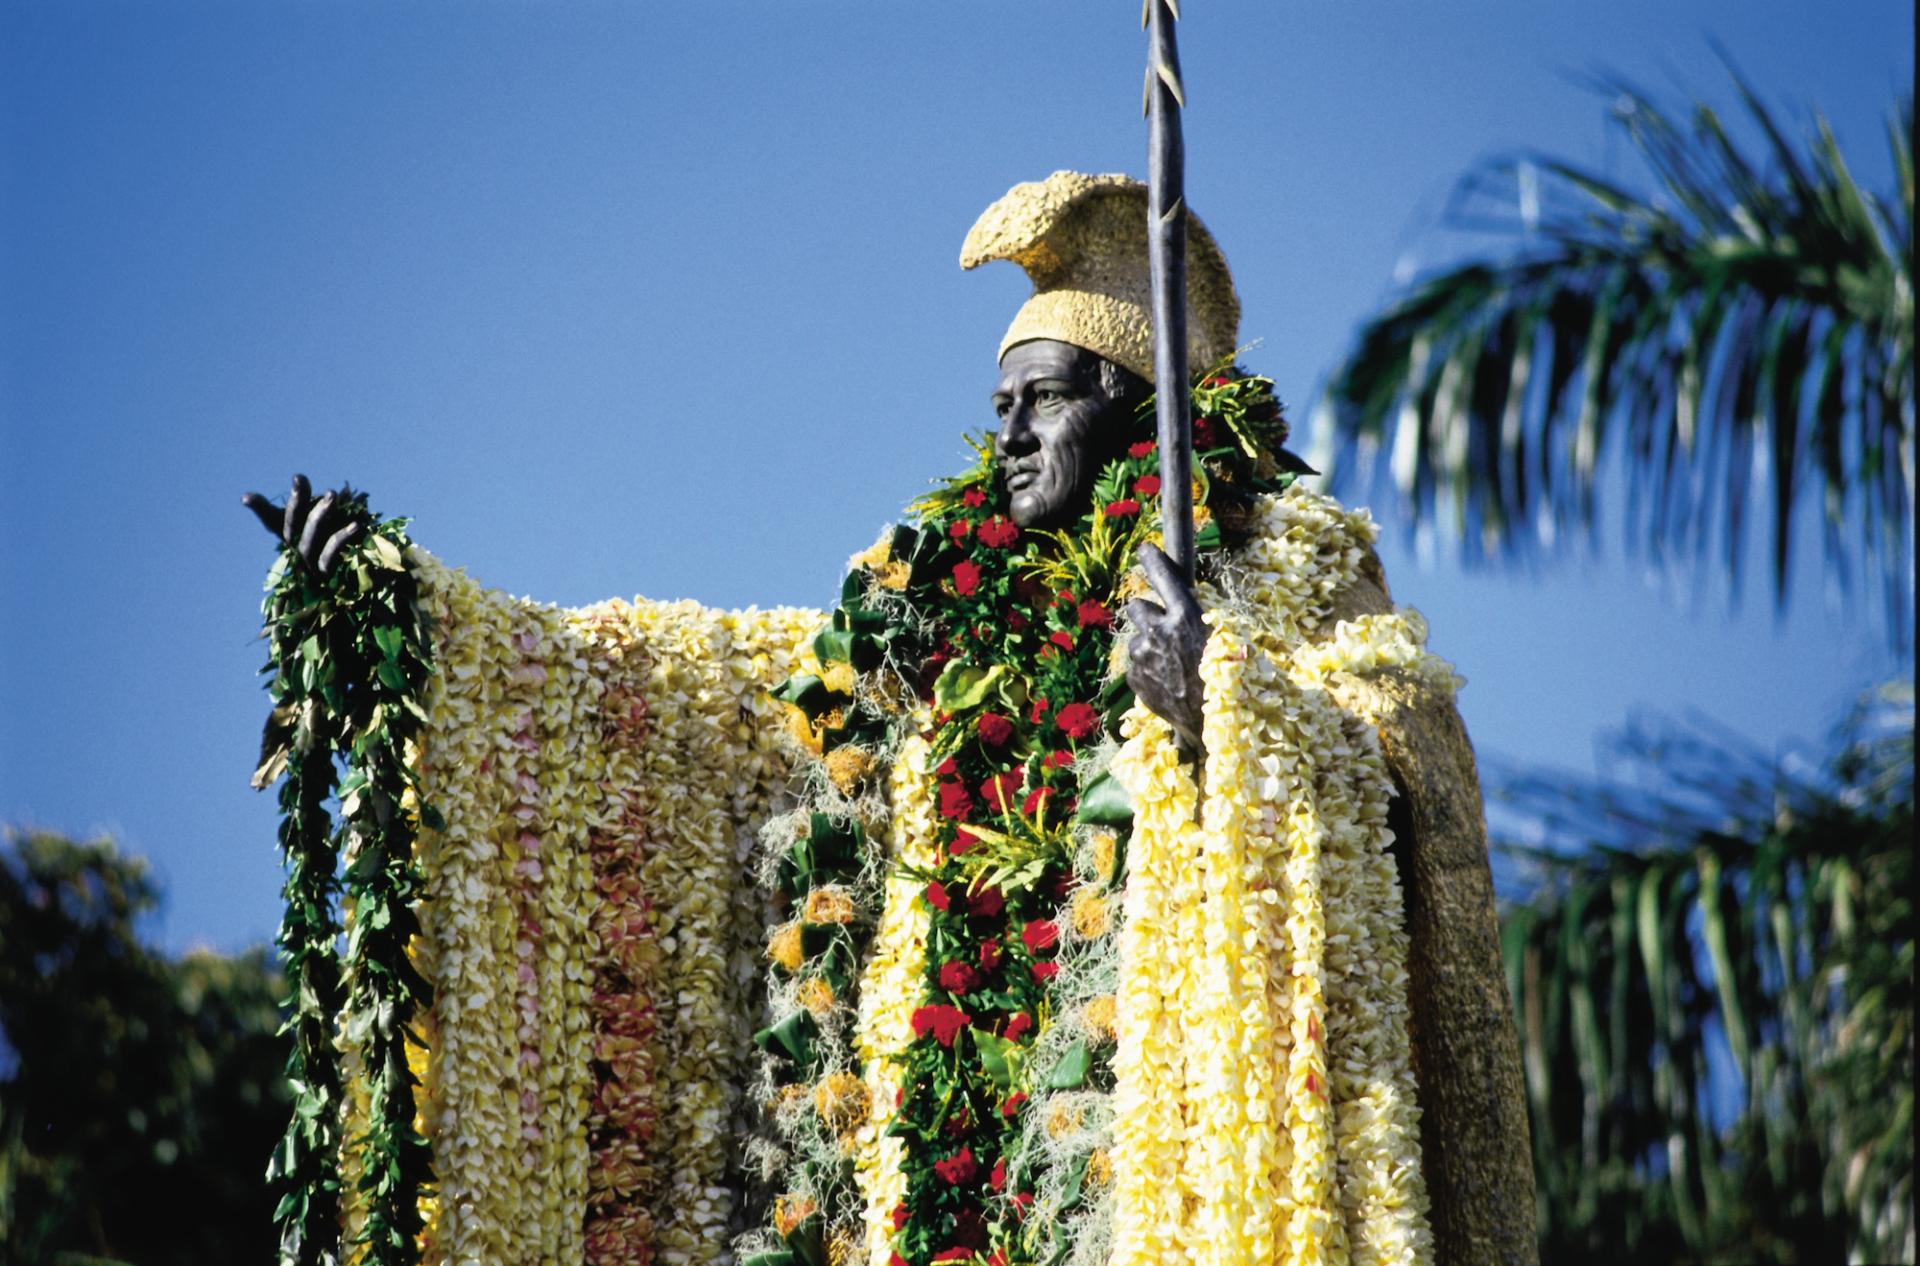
(1167, 260)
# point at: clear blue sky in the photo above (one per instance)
(620, 298)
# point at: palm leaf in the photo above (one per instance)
(1754, 301)
(1720, 899)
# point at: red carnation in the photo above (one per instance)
(1021, 1200)
(963, 840)
(1012, 1105)
(998, 789)
(942, 1021)
(974, 497)
(937, 895)
(966, 578)
(987, 903)
(1125, 508)
(1078, 719)
(1040, 934)
(995, 729)
(1016, 621)
(1215, 381)
(1019, 1026)
(958, 1168)
(996, 1258)
(900, 1216)
(1038, 710)
(894, 1259)
(990, 955)
(1094, 615)
(1147, 486)
(948, 768)
(1044, 972)
(1059, 759)
(955, 800)
(958, 531)
(1035, 798)
(1204, 433)
(998, 532)
(959, 978)
(1143, 449)
(956, 1254)
(1062, 639)
(958, 1124)
(998, 1178)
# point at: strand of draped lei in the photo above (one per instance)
(1241, 1069)
(889, 991)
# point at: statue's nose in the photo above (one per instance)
(1016, 437)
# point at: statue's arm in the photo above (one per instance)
(1163, 655)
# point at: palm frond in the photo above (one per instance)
(1754, 313)
(1713, 971)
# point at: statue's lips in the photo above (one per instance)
(1020, 480)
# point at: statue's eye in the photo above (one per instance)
(1047, 395)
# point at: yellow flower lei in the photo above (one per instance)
(889, 988)
(1262, 1014)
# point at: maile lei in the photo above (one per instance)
(351, 655)
(996, 647)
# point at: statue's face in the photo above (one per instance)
(1060, 420)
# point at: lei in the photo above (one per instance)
(351, 653)
(990, 651)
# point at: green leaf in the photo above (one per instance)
(1071, 1072)
(1104, 802)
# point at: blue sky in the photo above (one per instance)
(622, 298)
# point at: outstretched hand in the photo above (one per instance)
(314, 529)
(1164, 652)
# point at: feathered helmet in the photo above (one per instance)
(1083, 241)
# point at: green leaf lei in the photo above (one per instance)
(1007, 637)
(351, 653)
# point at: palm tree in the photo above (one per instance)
(1712, 968)
(1752, 308)
(1714, 987)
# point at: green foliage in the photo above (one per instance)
(139, 1093)
(351, 655)
(1726, 912)
(1753, 305)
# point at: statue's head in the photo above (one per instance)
(1063, 414)
(1077, 361)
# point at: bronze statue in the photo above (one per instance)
(1074, 369)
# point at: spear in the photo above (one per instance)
(1167, 260)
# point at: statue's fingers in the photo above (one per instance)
(1143, 614)
(316, 523)
(1168, 583)
(271, 516)
(298, 502)
(337, 542)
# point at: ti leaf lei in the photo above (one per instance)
(1006, 636)
(351, 653)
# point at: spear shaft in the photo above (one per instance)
(1167, 260)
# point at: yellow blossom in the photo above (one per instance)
(816, 995)
(785, 946)
(828, 904)
(848, 767)
(1100, 1014)
(790, 1211)
(1088, 912)
(841, 1100)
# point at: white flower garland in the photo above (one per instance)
(889, 989)
(1265, 1105)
